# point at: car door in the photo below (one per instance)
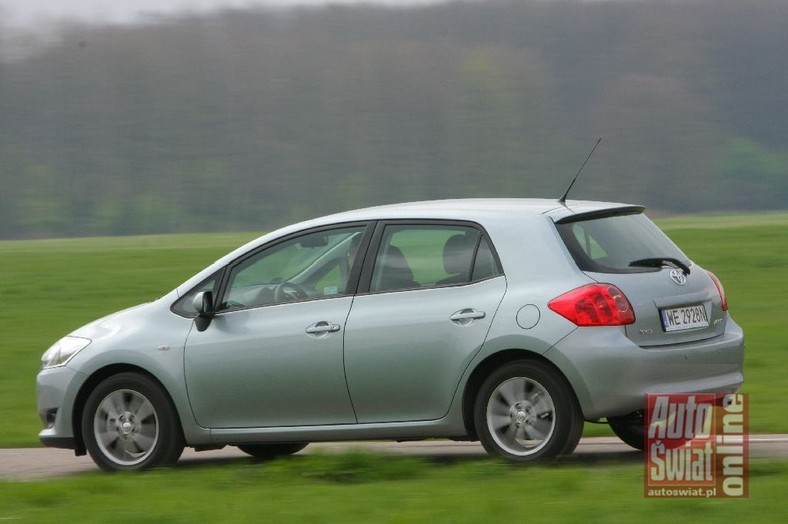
(425, 305)
(273, 353)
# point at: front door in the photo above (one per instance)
(260, 367)
(273, 354)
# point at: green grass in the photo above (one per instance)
(751, 260)
(50, 287)
(358, 487)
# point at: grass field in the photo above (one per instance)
(354, 487)
(53, 286)
(750, 256)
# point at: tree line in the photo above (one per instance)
(249, 119)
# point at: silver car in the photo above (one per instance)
(508, 321)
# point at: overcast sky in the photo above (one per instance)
(27, 12)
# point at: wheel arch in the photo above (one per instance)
(92, 382)
(490, 364)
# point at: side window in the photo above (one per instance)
(415, 256)
(314, 265)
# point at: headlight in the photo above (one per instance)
(62, 351)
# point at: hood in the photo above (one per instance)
(112, 324)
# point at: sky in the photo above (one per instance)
(27, 13)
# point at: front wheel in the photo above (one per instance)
(525, 411)
(129, 423)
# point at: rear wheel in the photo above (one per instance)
(525, 411)
(269, 451)
(129, 423)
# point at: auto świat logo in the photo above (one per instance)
(678, 276)
(696, 445)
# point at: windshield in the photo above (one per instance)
(612, 244)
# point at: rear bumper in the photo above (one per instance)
(611, 375)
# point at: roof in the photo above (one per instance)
(469, 208)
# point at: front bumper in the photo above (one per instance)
(56, 391)
(611, 375)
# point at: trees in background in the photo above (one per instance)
(251, 119)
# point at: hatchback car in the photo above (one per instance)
(508, 321)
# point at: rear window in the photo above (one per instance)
(611, 244)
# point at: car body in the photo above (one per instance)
(510, 321)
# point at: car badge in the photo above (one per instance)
(678, 276)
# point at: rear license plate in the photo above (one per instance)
(681, 318)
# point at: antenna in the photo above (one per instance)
(562, 200)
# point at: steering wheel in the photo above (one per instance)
(287, 291)
(232, 304)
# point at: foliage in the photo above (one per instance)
(247, 119)
(751, 172)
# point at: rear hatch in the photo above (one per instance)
(674, 300)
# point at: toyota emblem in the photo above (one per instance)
(678, 276)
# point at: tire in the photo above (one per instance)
(631, 434)
(129, 423)
(525, 411)
(270, 451)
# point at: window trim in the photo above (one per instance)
(365, 280)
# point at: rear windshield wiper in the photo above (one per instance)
(661, 262)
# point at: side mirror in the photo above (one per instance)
(203, 304)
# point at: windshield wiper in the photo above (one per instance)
(661, 262)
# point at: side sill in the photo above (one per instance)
(58, 442)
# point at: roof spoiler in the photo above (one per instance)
(601, 213)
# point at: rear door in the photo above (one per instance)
(674, 300)
(429, 294)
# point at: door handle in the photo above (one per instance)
(464, 317)
(322, 328)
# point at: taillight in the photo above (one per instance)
(721, 290)
(594, 305)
